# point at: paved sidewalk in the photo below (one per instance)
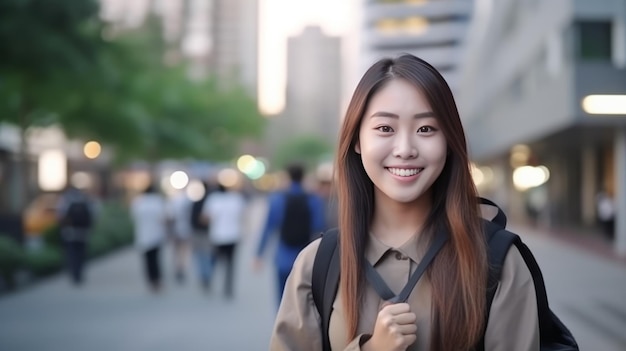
(586, 290)
(115, 312)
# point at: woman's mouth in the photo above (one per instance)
(404, 172)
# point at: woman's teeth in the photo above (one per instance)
(404, 172)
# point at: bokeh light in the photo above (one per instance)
(179, 180)
(52, 170)
(92, 149)
(195, 190)
(228, 177)
(81, 180)
(527, 177)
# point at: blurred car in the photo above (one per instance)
(40, 214)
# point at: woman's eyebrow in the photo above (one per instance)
(393, 115)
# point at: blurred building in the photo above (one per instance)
(219, 37)
(314, 86)
(432, 30)
(235, 53)
(528, 96)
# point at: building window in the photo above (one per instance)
(594, 40)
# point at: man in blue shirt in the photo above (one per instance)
(286, 254)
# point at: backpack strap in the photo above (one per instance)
(325, 280)
(500, 218)
(499, 241)
(545, 320)
(551, 330)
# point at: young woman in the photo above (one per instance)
(403, 178)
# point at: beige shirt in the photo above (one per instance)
(512, 326)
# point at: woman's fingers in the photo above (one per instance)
(395, 328)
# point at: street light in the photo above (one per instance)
(605, 104)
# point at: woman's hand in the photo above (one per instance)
(394, 330)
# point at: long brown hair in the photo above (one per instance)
(459, 273)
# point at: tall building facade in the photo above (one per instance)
(544, 85)
(235, 42)
(314, 88)
(220, 37)
(432, 30)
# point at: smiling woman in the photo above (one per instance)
(407, 205)
(404, 149)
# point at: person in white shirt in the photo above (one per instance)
(149, 212)
(224, 210)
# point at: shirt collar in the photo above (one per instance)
(376, 249)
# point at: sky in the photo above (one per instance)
(280, 19)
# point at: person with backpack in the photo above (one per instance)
(411, 262)
(202, 249)
(295, 215)
(76, 216)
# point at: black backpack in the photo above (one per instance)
(554, 335)
(78, 215)
(295, 230)
(196, 210)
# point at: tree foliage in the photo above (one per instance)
(46, 46)
(57, 68)
(308, 150)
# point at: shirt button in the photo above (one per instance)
(400, 256)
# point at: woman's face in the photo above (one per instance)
(402, 147)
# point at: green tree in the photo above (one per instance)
(179, 117)
(47, 46)
(56, 68)
(308, 150)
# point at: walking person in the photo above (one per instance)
(329, 200)
(180, 208)
(201, 247)
(149, 212)
(404, 183)
(295, 215)
(224, 211)
(605, 209)
(76, 216)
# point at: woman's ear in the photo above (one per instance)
(357, 147)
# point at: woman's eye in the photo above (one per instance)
(426, 129)
(385, 129)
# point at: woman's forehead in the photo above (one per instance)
(398, 95)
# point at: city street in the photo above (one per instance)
(114, 311)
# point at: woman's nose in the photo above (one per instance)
(405, 147)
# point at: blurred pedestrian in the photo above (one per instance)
(295, 215)
(329, 200)
(202, 249)
(149, 212)
(224, 211)
(605, 207)
(76, 216)
(181, 230)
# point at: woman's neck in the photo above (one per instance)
(394, 223)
